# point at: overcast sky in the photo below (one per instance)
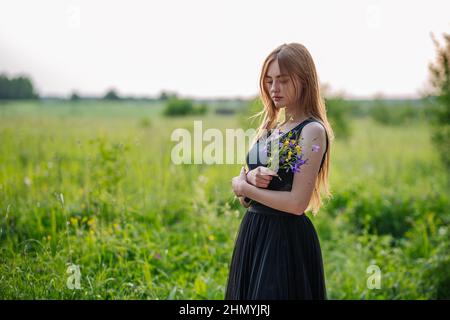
(207, 48)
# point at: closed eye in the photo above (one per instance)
(270, 82)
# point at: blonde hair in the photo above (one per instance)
(296, 61)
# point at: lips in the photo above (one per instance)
(277, 98)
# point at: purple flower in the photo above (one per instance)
(298, 163)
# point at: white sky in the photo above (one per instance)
(208, 48)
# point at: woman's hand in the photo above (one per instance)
(237, 183)
(261, 176)
(243, 202)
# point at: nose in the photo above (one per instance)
(274, 87)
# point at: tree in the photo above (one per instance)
(75, 96)
(164, 96)
(20, 87)
(111, 95)
(440, 111)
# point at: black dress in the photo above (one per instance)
(277, 254)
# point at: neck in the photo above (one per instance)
(294, 114)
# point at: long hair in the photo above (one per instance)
(296, 61)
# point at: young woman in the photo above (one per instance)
(277, 253)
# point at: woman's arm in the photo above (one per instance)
(295, 201)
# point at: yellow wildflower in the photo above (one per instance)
(74, 221)
(91, 223)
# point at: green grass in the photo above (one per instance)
(93, 184)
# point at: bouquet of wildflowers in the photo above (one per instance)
(289, 155)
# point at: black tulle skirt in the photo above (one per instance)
(277, 255)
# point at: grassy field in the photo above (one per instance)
(92, 184)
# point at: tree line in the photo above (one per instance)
(20, 87)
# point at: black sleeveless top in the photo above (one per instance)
(258, 155)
